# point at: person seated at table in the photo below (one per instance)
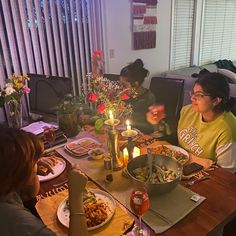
(207, 127)
(132, 76)
(19, 153)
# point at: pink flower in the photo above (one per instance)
(26, 89)
(101, 107)
(124, 96)
(92, 97)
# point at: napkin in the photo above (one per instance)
(174, 206)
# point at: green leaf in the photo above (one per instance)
(98, 124)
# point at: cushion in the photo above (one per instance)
(231, 75)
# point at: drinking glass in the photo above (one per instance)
(139, 203)
(49, 135)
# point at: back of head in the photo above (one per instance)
(19, 151)
(216, 85)
(135, 72)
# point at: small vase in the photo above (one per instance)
(68, 123)
(14, 111)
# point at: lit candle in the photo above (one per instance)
(125, 156)
(128, 125)
(136, 152)
(111, 117)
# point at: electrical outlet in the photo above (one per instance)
(112, 53)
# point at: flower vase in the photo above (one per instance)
(68, 123)
(113, 148)
(14, 111)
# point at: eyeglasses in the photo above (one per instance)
(198, 95)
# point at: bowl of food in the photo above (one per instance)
(97, 153)
(166, 173)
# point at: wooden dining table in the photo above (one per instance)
(218, 210)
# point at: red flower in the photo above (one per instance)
(101, 107)
(124, 96)
(97, 53)
(92, 97)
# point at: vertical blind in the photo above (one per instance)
(182, 31)
(218, 40)
(51, 37)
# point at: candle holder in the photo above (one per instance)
(130, 134)
(112, 144)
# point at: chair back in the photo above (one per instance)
(168, 91)
(112, 77)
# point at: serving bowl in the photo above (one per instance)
(159, 161)
(97, 153)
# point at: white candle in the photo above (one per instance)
(136, 152)
(128, 125)
(125, 156)
(111, 117)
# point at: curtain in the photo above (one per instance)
(50, 37)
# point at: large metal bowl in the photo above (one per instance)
(160, 160)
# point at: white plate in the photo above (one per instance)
(81, 146)
(178, 149)
(63, 213)
(58, 169)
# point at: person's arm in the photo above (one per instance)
(77, 182)
(226, 156)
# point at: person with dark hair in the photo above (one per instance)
(207, 127)
(133, 76)
(19, 154)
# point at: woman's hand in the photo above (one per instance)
(155, 114)
(76, 181)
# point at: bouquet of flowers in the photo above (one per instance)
(106, 95)
(14, 89)
(11, 95)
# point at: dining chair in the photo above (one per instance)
(112, 77)
(169, 91)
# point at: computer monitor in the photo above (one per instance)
(46, 92)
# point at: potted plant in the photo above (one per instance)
(67, 115)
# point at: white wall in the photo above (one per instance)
(117, 24)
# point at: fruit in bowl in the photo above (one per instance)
(97, 153)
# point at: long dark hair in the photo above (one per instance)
(19, 151)
(216, 85)
(135, 72)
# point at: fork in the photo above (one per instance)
(192, 182)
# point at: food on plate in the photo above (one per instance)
(82, 146)
(166, 151)
(96, 209)
(159, 174)
(97, 153)
(45, 163)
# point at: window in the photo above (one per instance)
(218, 34)
(182, 31)
(203, 31)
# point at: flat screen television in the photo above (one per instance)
(46, 92)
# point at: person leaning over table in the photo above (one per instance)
(132, 76)
(19, 153)
(207, 127)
